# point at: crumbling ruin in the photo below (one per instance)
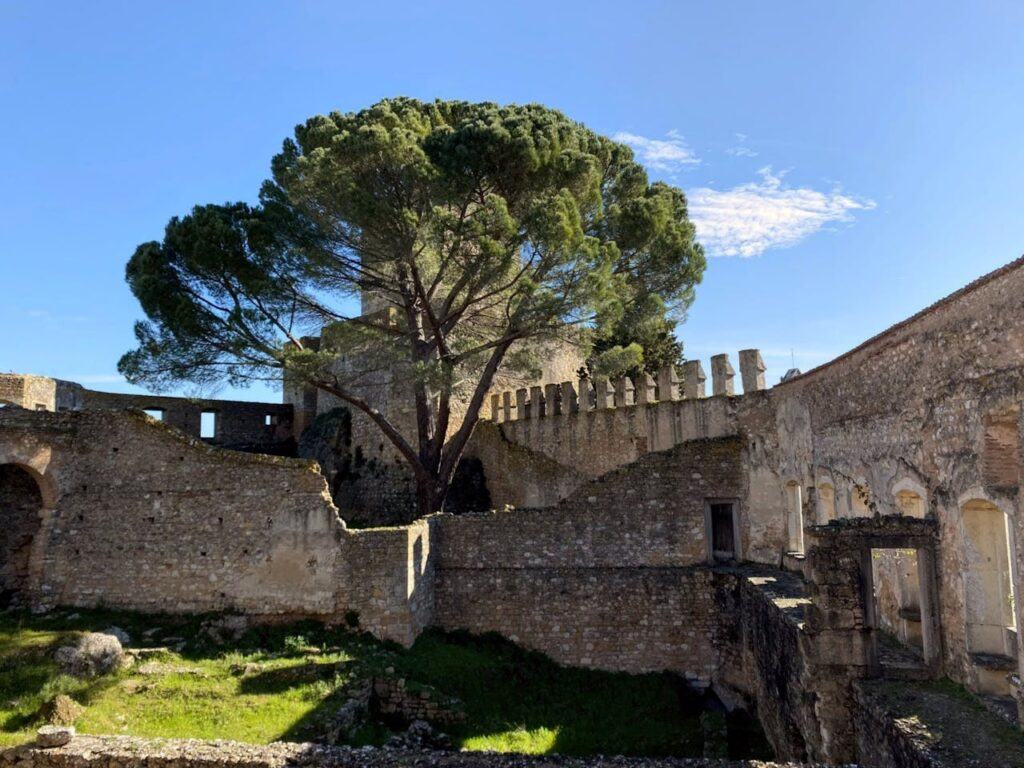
(786, 546)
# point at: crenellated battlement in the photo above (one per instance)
(601, 393)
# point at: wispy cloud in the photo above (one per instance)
(740, 149)
(752, 218)
(669, 154)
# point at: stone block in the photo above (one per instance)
(722, 375)
(752, 370)
(693, 379)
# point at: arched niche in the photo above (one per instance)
(826, 501)
(910, 498)
(23, 499)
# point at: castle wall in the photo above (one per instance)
(933, 404)
(613, 577)
(139, 516)
(37, 393)
(594, 442)
(238, 424)
(189, 527)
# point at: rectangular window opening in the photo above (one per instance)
(208, 425)
(269, 420)
(155, 413)
(723, 530)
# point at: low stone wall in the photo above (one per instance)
(929, 725)
(621, 619)
(770, 666)
(125, 752)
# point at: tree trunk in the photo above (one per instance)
(430, 495)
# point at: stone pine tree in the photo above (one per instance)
(483, 230)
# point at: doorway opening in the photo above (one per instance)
(722, 530)
(21, 502)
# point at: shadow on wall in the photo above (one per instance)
(378, 491)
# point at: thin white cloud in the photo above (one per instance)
(668, 154)
(752, 218)
(741, 149)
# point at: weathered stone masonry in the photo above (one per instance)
(609, 567)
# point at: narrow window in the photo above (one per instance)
(155, 413)
(723, 533)
(795, 522)
(208, 425)
(269, 420)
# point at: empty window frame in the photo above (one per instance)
(208, 425)
(722, 530)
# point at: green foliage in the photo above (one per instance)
(284, 682)
(483, 230)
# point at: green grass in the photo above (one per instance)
(514, 700)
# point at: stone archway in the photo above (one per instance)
(21, 507)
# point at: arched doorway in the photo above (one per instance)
(21, 502)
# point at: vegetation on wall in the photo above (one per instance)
(480, 231)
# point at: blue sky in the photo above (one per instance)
(847, 163)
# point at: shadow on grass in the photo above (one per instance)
(279, 680)
(515, 700)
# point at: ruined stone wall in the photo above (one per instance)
(516, 475)
(612, 577)
(37, 393)
(934, 404)
(191, 528)
(20, 505)
(623, 619)
(650, 514)
(391, 579)
(194, 528)
(238, 424)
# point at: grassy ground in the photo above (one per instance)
(514, 700)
